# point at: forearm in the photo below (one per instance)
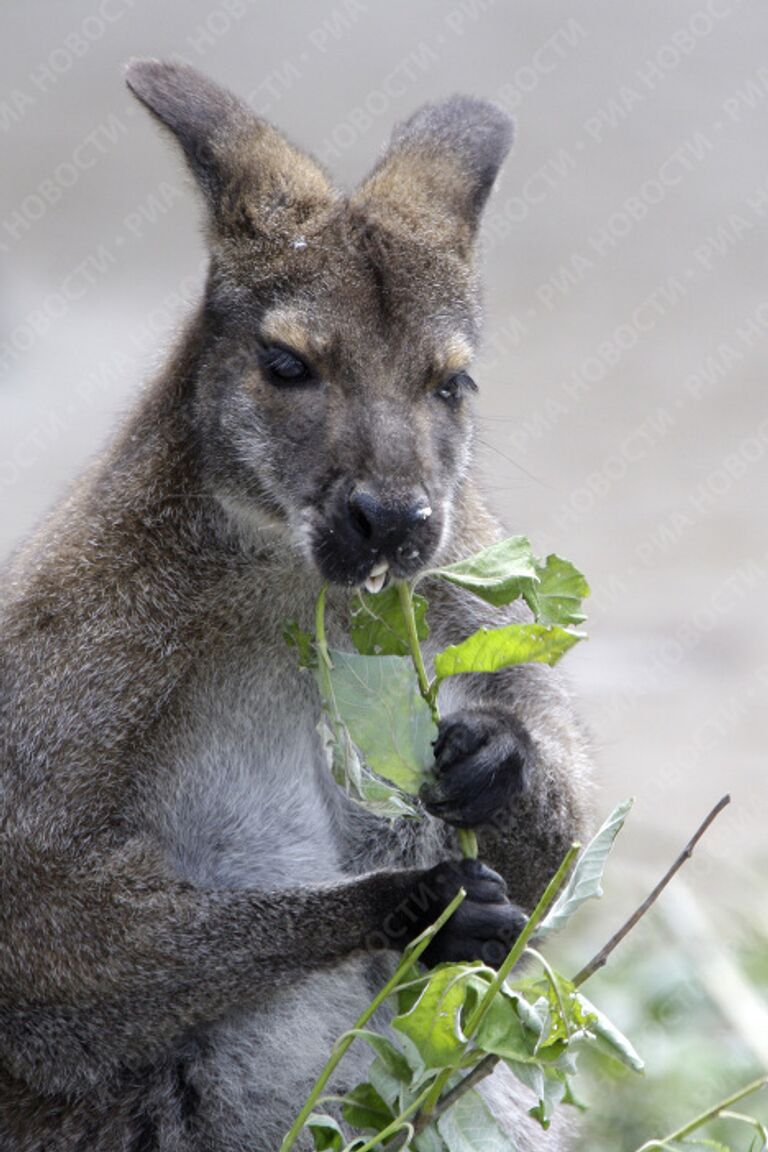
(107, 971)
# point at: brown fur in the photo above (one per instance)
(173, 854)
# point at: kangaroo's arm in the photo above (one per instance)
(104, 963)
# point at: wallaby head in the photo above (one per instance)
(331, 399)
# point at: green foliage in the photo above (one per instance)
(377, 627)
(379, 702)
(303, 642)
(379, 732)
(326, 1133)
(498, 575)
(536, 1025)
(490, 650)
(469, 1126)
(552, 588)
(557, 598)
(380, 713)
(584, 883)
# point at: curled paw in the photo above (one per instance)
(483, 760)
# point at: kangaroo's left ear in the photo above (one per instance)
(441, 165)
(252, 178)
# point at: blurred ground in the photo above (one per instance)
(625, 419)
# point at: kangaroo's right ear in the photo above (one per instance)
(252, 178)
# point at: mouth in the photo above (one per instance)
(371, 550)
(378, 577)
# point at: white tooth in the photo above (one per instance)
(377, 569)
(375, 582)
(424, 513)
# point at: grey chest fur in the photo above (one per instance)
(244, 798)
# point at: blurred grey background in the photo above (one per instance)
(623, 401)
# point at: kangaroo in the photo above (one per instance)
(192, 911)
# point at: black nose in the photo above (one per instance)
(389, 526)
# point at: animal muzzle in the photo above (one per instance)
(370, 535)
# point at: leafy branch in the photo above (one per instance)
(453, 1025)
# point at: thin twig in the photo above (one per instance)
(598, 961)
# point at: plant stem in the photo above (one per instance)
(521, 943)
(601, 958)
(411, 954)
(705, 1117)
(512, 958)
(396, 1124)
(467, 838)
(324, 660)
(468, 843)
(406, 605)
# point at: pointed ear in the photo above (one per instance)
(441, 165)
(246, 169)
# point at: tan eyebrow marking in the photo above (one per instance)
(456, 355)
(285, 327)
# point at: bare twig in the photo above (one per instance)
(598, 961)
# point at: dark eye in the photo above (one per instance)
(284, 366)
(452, 389)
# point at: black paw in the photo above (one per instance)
(482, 761)
(484, 926)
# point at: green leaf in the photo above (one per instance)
(531, 1075)
(534, 1016)
(433, 1023)
(428, 1140)
(491, 649)
(566, 1017)
(392, 1058)
(572, 1099)
(469, 1126)
(553, 1093)
(388, 1086)
(326, 1133)
(584, 882)
(378, 628)
(501, 1032)
(364, 1108)
(614, 1040)
(303, 642)
(378, 699)
(557, 597)
(498, 574)
(356, 778)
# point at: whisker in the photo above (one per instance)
(514, 463)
